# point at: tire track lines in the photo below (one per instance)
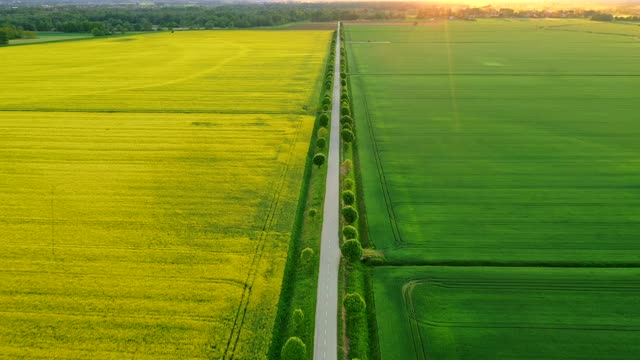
(241, 313)
(384, 183)
(419, 346)
(419, 341)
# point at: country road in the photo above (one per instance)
(326, 330)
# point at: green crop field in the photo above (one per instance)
(42, 37)
(507, 313)
(147, 191)
(499, 141)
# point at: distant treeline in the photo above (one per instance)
(470, 12)
(21, 20)
(10, 32)
(123, 18)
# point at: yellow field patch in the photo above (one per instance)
(191, 71)
(148, 191)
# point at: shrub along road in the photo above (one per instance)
(326, 331)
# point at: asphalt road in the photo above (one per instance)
(326, 332)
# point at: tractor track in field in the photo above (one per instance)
(418, 340)
(145, 111)
(238, 323)
(380, 169)
(412, 313)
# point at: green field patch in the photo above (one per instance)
(43, 37)
(532, 162)
(516, 313)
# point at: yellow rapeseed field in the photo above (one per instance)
(148, 186)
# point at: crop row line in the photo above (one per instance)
(114, 316)
(204, 280)
(516, 286)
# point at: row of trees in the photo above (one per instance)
(354, 304)
(627, 18)
(351, 246)
(10, 32)
(116, 18)
(122, 18)
(323, 118)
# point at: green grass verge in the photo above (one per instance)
(358, 334)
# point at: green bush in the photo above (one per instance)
(343, 75)
(348, 184)
(346, 119)
(354, 304)
(298, 318)
(294, 349)
(350, 232)
(97, 32)
(322, 132)
(321, 143)
(348, 197)
(352, 250)
(319, 159)
(306, 254)
(343, 82)
(306, 257)
(313, 213)
(350, 214)
(347, 135)
(323, 120)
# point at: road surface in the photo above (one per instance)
(326, 332)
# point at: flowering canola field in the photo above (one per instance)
(148, 186)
